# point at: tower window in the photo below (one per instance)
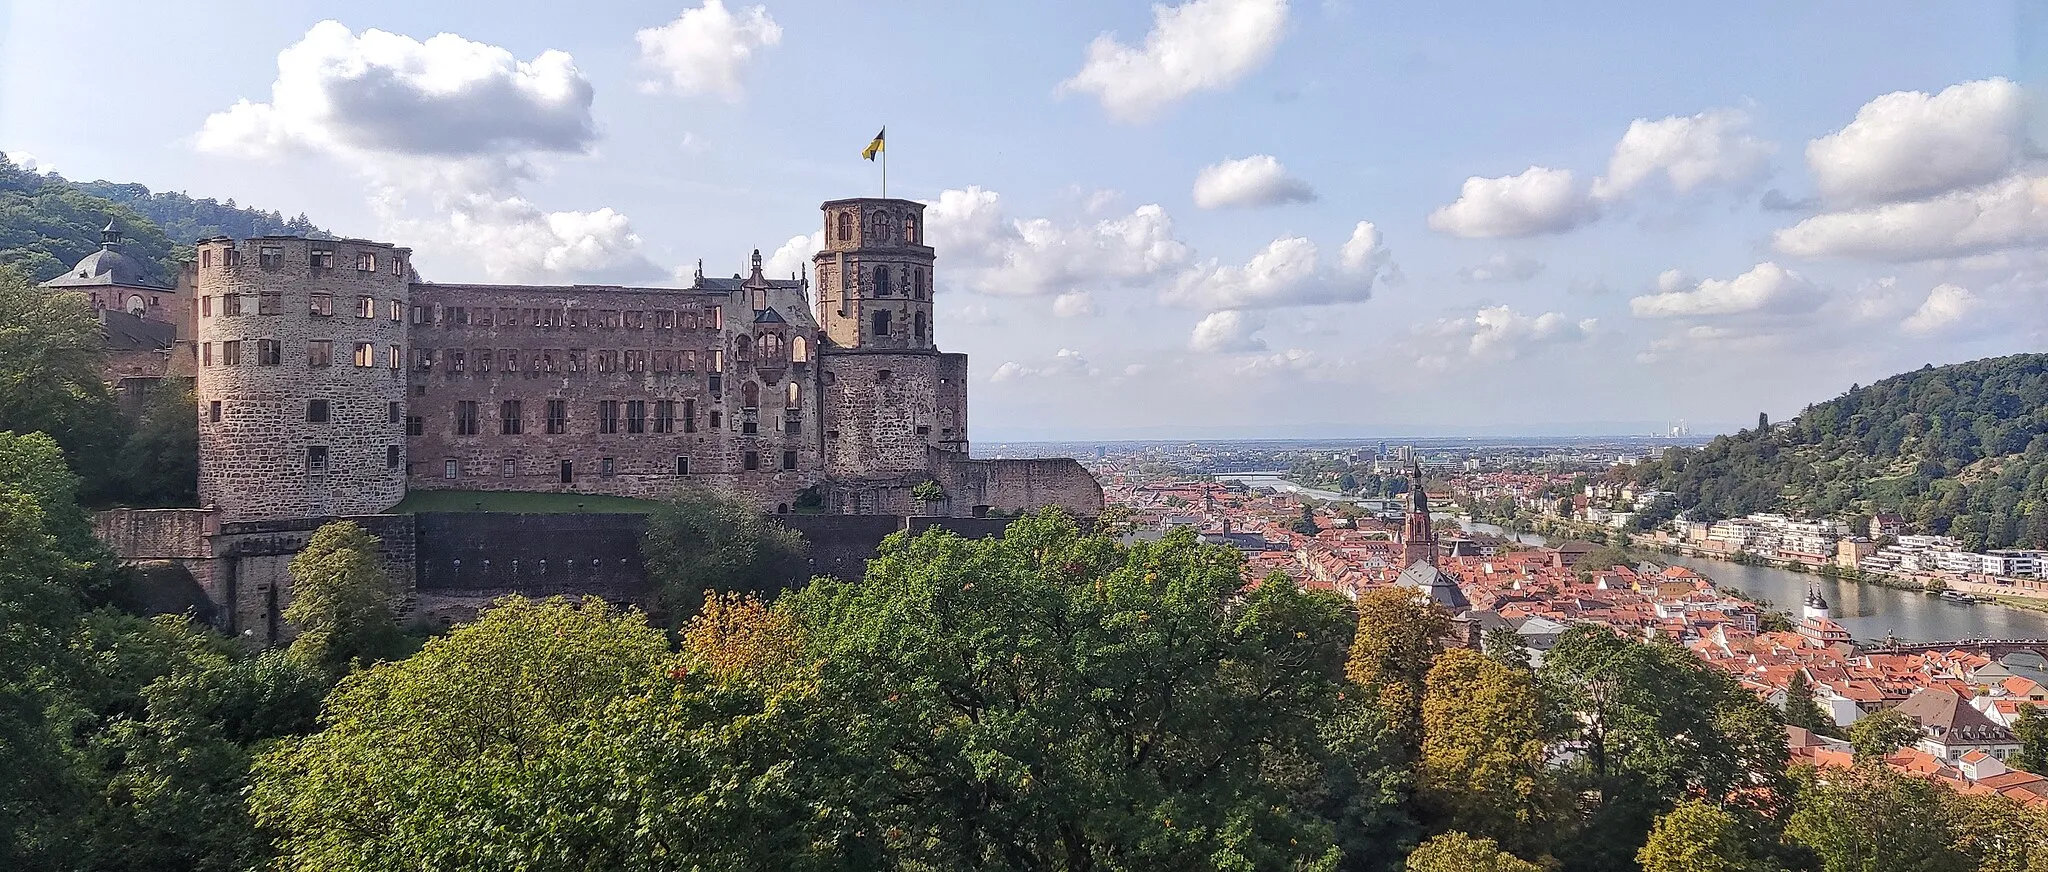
(558, 417)
(319, 353)
(316, 411)
(320, 304)
(636, 416)
(316, 459)
(882, 325)
(788, 460)
(608, 466)
(271, 303)
(451, 468)
(881, 281)
(269, 352)
(664, 416)
(689, 416)
(366, 355)
(415, 425)
(392, 413)
(751, 460)
(909, 229)
(608, 416)
(366, 307)
(917, 283)
(882, 375)
(845, 226)
(213, 411)
(917, 326)
(231, 352)
(682, 465)
(465, 418)
(392, 457)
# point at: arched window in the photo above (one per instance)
(742, 348)
(910, 229)
(917, 326)
(771, 347)
(881, 281)
(794, 396)
(881, 227)
(750, 395)
(917, 283)
(845, 226)
(798, 350)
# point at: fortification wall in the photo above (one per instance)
(1011, 486)
(252, 570)
(881, 413)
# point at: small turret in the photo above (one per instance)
(1816, 605)
(110, 235)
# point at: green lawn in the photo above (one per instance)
(517, 503)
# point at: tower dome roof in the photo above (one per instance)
(106, 267)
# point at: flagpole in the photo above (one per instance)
(885, 162)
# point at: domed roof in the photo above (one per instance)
(105, 267)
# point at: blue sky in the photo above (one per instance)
(1149, 218)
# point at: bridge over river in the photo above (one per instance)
(1996, 649)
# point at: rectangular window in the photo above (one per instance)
(206, 306)
(664, 416)
(269, 303)
(423, 358)
(635, 320)
(608, 466)
(483, 360)
(690, 361)
(607, 361)
(366, 307)
(415, 425)
(716, 384)
(511, 360)
(205, 354)
(316, 411)
(396, 358)
(231, 353)
(575, 360)
(397, 312)
(751, 460)
(792, 426)
(689, 416)
(422, 315)
(321, 305)
(664, 320)
(882, 324)
(749, 427)
(717, 420)
(483, 317)
(456, 316)
(366, 355)
(508, 467)
(231, 305)
(579, 318)
(206, 257)
(788, 460)
(270, 257)
(608, 318)
(366, 262)
(393, 413)
(323, 258)
(608, 416)
(213, 411)
(509, 420)
(558, 417)
(393, 456)
(636, 361)
(508, 318)
(451, 468)
(682, 466)
(457, 360)
(553, 318)
(269, 352)
(465, 418)
(636, 416)
(316, 459)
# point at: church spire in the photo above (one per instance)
(1418, 534)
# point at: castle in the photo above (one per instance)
(331, 381)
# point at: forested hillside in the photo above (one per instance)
(48, 222)
(1960, 450)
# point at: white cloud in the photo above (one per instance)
(1501, 267)
(383, 93)
(27, 162)
(1363, 253)
(1703, 341)
(1228, 331)
(1766, 287)
(1711, 148)
(1258, 180)
(2005, 214)
(1540, 200)
(1945, 306)
(794, 257)
(1499, 333)
(1203, 45)
(703, 49)
(1073, 304)
(1068, 363)
(446, 131)
(990, 253)
(1287, 272)
(1907, 145)
(977, 313)
(1296, 361)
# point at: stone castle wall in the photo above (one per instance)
(266, 310)
(882, 413)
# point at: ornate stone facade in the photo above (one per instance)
(738, 384)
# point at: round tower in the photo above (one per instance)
(875, 275)
(302, 379)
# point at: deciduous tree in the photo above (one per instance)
(1702, 837)
(1457, 852)
(1399, 636)
(341, 600)
(705, 541)
(1878, 736)
(1482, 763)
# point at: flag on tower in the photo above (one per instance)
(869, 152)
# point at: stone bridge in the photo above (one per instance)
(1996, 649)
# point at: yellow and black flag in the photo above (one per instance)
(869, 152)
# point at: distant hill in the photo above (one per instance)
(1960, 450)
(48, 222)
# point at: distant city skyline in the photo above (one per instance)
(1244, 217)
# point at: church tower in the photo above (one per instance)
(1418, 535)
(875, 275)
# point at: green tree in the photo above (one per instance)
(1800, 708)
(1507, 646)
(1306, 525)
(1878, 736)
(1457, 852)
(1398, 639)
(1702, 837)
(159, 465)
(704, 541)
(51, 359)
(1996, 833)
(1871, 819)
(1482, 765)
(928, 491)
(1061, 701)
(341, 600)
(2032, 731)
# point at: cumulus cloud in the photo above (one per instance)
(1945, 306)
(1202, 45)
(1539, 200)
(27, 162)
(1907, 144)
(1501, 267)
(1688, 151)
(1258, 180)
(1073, 304)
(1228, 331)
(1766, 287)
(794, 257)
(448, 128)
(993, 254)
(386, 93)
(1500, 333)
(1363, 252)
(1286, 272)
(1292, 361)
(1068, 363)
(703, 50)
(2004, 214)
